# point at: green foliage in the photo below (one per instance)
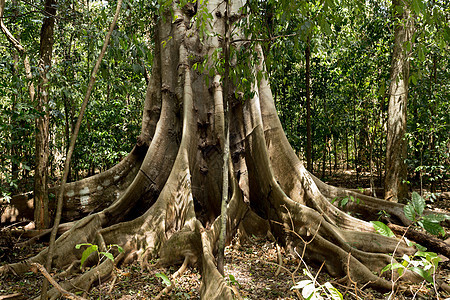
(233, 281)
(109, 130)
(414, 212)
(94, 249)
(423, 263)
(344, 201)
(382, 228)
(164, 278)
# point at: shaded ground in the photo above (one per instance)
(250, 271)
(252, 265)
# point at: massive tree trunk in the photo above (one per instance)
(395, 185)
(168, 204)
(41, 217)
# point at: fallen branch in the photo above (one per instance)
(16, 296)
(63, 292)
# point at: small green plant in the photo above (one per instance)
(164, 279)
(431, 223)
(311, 290)
(233, 281)
(425, 265)
(422, 263)
(94, 248)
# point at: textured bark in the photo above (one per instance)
(395, 185)
(171, 208)
(308, 107)
(41, 216)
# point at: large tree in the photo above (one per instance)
(164, 199)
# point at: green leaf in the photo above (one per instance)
(108, 255)
(78, 246)
(232, 279)
(424, 274)
(120, 249)
(421, 53)
(392, 267)
(334, 293)
(344, 202)
(420, 247)
(432, 227)
(409, 211)
(382, 228)
(416, 7)
(164, 278)
(413, 78)
(436, 218)
(86, 253)
(418, 203)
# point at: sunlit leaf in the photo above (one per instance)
(164, 278)
(382, 228)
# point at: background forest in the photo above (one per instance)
(344, 75)
(349, 49)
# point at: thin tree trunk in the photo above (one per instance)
(308, 107)
(335, 153)
(395, 185)
(372, 183)
(324, 157)
(41, 217)
(380, 144)
(329, 154)
(226, 143)
(355, 145)
(346, 150)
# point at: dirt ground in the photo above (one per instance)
(250, 271)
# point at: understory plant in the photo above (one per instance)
(423, 262)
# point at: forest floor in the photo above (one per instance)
(250, 272)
